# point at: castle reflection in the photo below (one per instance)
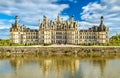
(61, 66)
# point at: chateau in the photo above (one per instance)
(59, 32)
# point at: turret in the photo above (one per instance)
(102, 18)
(44, 22)
(58, 18)
(16, 22)
(40, 24)
(102, 27)
(72, 18)
(44, 18)
(72, 22)
(15, 25)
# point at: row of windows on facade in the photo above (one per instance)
(59, 27)
(24, 37)
(87, 33)
(80, 36)
(63, 37)
(76, 41)
(48, 39)
(65, 31)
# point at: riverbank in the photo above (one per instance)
(60, 49)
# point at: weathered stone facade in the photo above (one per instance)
(58, 32)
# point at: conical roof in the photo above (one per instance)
(102, 25)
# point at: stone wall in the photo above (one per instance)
(59, 50)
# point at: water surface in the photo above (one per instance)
(59, 66)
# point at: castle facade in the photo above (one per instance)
(58, 32)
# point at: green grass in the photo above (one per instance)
(46, 44)
(110, 44)
(20, 44)
(17, 45)
(12, 45)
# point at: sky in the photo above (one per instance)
(86, 12)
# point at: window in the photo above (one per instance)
(58, 33)
(58, 37)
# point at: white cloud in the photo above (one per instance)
(4, 25)
(4, 28)
(107, 8)
(29, 11)
(84, 25)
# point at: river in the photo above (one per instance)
(59, 66)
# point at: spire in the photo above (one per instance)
(102, 26)
(44, 18)
(58, 18)
(102, 19)
(39, 24)
(16, 21)
(72, 18)
(72, 22)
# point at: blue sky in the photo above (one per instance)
(87, 12)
